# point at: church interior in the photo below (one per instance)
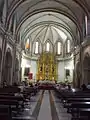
(44, 59)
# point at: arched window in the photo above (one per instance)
(68, 46)
(85, 20)
(59, 48)
(86, 25)
(47, 46)
(27, 44)
(36, 47)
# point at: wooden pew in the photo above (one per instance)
(23, 118)
(70, 100)
(19, 98)
(9, 89)
(76, 108)
(66, 95)
(84, 112)
(78, 99)
(5, 112)
(7, 94)
(78, 103)
(81, 114)
(9, 102)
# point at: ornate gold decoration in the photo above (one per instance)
(47, 67)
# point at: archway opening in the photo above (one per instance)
(86, 68)
(16, 76)
(8, 67)
(0, 57)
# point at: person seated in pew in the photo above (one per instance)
(15, 84)
(35, 89)
(84, 87)
(19, 93)
(31, 84)
(63, 86)
(4, 84)
(21, 86)
(57, 86)
(69, 87)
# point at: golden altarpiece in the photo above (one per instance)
(47, 67)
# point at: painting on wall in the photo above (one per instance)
(30, 76)
(67, 72)
(26, 72)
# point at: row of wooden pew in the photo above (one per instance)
(10, 104)
(77, 103)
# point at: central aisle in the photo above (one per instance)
(45, 110)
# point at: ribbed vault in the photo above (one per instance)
(42, 17)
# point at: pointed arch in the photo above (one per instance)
(48, 46)
(27, 45)
(67, 46)
(59, 48)
(8, 67)
(37, 46)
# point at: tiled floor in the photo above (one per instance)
(34, 100)
(50, 107)
(45, 110)
(62, 112)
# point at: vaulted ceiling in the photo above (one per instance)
(36, 17)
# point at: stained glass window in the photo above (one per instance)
(86, 24)
(36, 48)
(27, 45)
(47, 47)
(59, 45)
(68, 46)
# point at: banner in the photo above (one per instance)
(30, 76)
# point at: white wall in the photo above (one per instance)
(33, 68)
(25, 63)
(70, 65)
(31, 64)
(61, 71)
(62, 65)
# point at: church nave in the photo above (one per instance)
(44, 59)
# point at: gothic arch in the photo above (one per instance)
(39, 46)
(56, 47)
(77, 74)
(8, 67)
(45, 44)
(66, 46)
(16, 77)
(86, 67)
(0, 57)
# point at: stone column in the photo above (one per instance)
(4, 42)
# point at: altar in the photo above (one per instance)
(46, 67)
